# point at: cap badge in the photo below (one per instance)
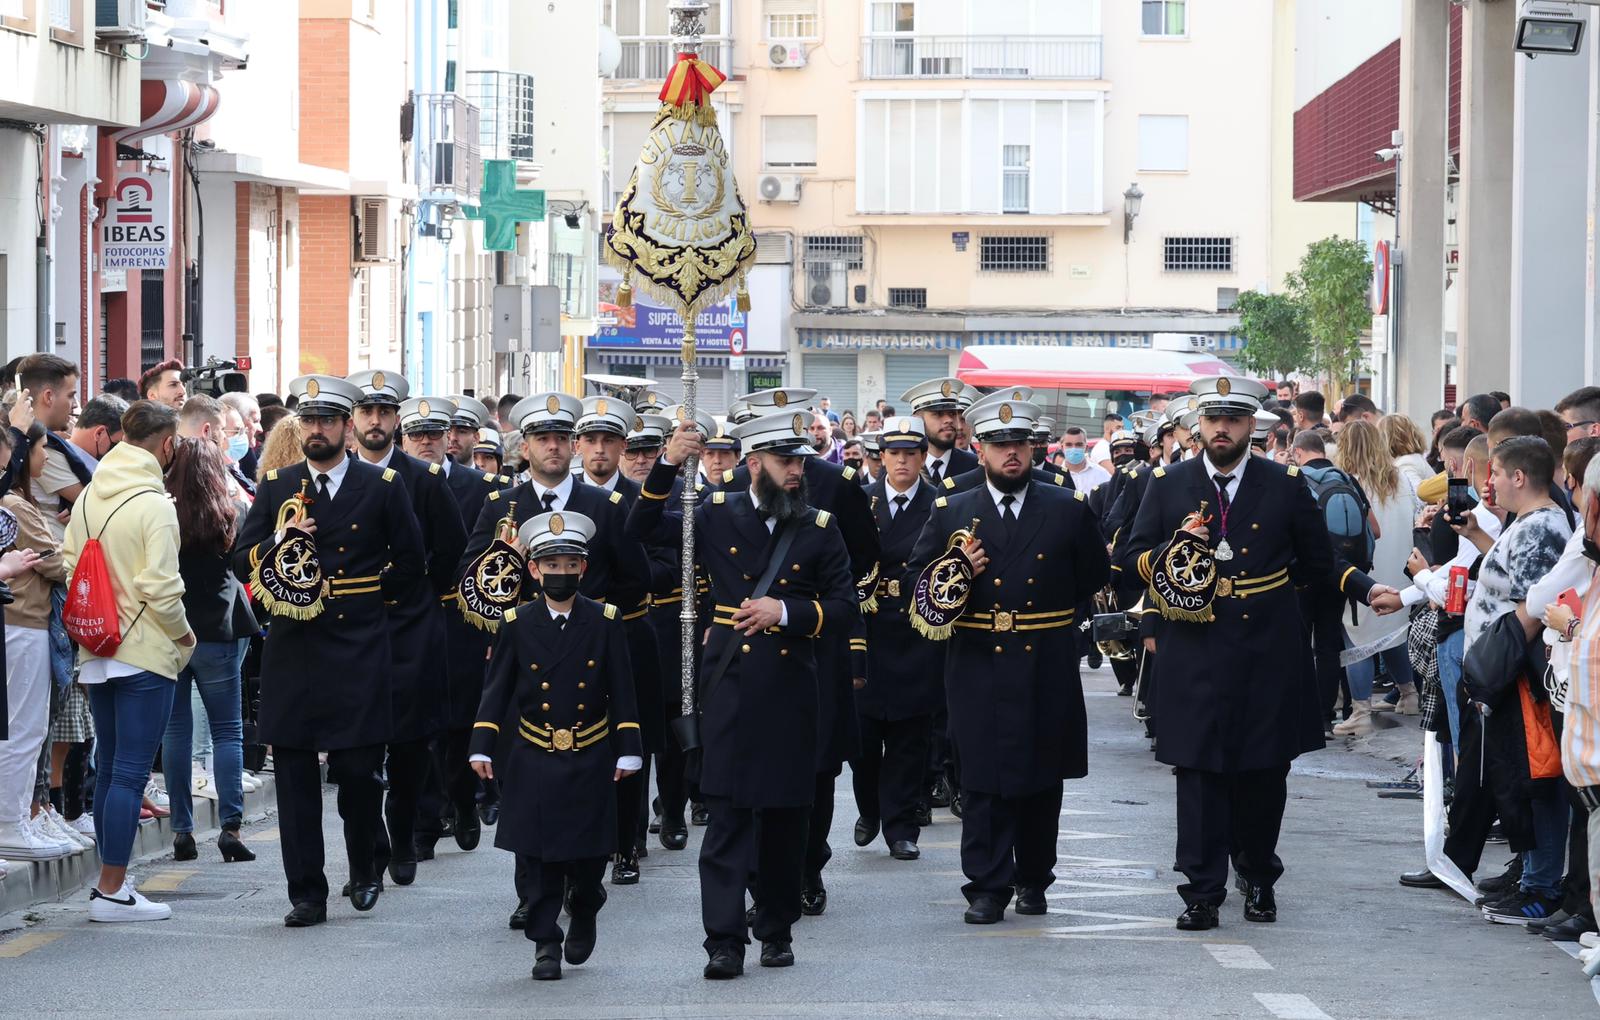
(683, 414)
(377, 380)
(422, 408)
(1005, 414)
(553, 405)
(799, 425)
(600, 406)
(945, 388)
(905, 424)
(780, 399)
(638, 423)
(1224, 387)
(1016, 394)
(312, 389)
(557, 525)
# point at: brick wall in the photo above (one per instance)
(325, 290)
(325, 92)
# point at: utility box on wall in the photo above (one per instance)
(527, 318)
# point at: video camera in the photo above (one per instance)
(217, 377)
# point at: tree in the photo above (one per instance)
(1331, 288)
(1276, 341)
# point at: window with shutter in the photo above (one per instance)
(791, 19)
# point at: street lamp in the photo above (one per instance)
(1131, 200)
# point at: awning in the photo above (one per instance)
(170, 105)
(637, 357)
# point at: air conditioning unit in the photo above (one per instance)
(827, 284)
(374, 240)
(119, 20)
(780, 188)
(783, 56)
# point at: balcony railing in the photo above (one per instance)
(649, 57)
(980, 56)
(505, 102)
(447, 136)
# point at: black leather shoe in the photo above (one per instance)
(1031, 901)
(344, 890)
(519, 916)
(866, 831)
(777, 954)
(985, 910)
(939, 796)
(1423, 879)
(655, 815)
(955, 804)
(674, 833)
(1570, 930)
(924, 816)
(304, 915)
(403, 872)
(1260, 905)
(625, 870)
(904, 850)
(813, 899)
(364, 895)
(580, 938)
(724, 964)
(183, 848)
(468, 830)
(547, 961)
(489, 814)
(424, 849)
(698, 815)
(1198, 917)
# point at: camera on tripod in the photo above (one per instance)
(217, 377)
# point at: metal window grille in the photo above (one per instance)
(908, 297)
(845, 248)
(1009, 253)
(1198, 254)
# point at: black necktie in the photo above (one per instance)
(549, 501)
(900, 502)
(936, 472)
(322, 487)
(561, 623)
(763, 513)
(1008, 517)
(1222, 491)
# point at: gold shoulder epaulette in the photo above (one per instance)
(949, 482)
(511, 615)
(699, 486)
(434, 469)
(616, 497)
(849, 473)
(611, 611)
(823, 517)
(941, 502)
(494, 495)
(1294, 469)
(1079, 494)
(727, 476)
(1160, 472)
(272, 475)
(388, 474)
(489, 479)
(719, 497)
(505, 479)
(1061, 479)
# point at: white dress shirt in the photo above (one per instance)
(910, 495)
(627, 762)
(943, 460)
(388, 458)
(335, 476)
(610, 484)
(563, 492)
(1016, 499)
(1237, 472)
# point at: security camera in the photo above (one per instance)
(1386, 155)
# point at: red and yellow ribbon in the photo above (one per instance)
(691, 81)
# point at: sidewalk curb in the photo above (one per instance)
(33, 882)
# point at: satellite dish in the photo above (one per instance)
(610, 52)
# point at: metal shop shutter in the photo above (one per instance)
(832, 376)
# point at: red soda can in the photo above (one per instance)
(1455, 599)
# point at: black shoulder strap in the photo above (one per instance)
(780, 552)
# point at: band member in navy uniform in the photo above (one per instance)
(1236, 698)
(416, 623)
(557, 728)
(615, 571)
(326, 680)
(904, 669)
(758, 690)
(940, 404)
(1011, 669)
(643, 444)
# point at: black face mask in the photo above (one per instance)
(1039, 455)
(560, 587)
(1121, 459)
(853, 462)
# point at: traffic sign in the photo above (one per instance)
(736, 347)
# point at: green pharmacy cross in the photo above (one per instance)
(502, 206)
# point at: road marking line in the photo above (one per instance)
(1072, 834)
(1290, 1007)
(27, 942)
(1236, 957)
(166, 881)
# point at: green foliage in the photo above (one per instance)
(1276, 340)
(1331, 289)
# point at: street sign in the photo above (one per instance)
(137, 232)
(736, 346)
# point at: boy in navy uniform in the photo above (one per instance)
(557, 728)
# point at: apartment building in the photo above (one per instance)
(928, 174)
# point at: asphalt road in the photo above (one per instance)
(1349, 942)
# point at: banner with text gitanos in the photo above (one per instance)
(137, 230)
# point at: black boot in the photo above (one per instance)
(625, 869)
(183, 848)
(547, 962)
(233, 849)
(674, 832)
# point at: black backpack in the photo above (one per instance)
(1344, 510)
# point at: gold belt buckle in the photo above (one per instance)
(561, 740)
(1002, 622)
(1225, 586)
(894, 588)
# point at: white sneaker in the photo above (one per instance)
(61, 827)
(203, 785)
(45, 827)
(19, 842)
(157, 795)
(249, 783)
(127, 905)
(83, 824)
(1589, 939)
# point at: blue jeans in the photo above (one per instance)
(130, 713)
(214, 673)
(1541, 867)
(1360, 674)
(1451, 650)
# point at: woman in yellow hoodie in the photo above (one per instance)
(126, 508)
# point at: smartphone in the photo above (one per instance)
(1458, 497)
(1569, 598)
